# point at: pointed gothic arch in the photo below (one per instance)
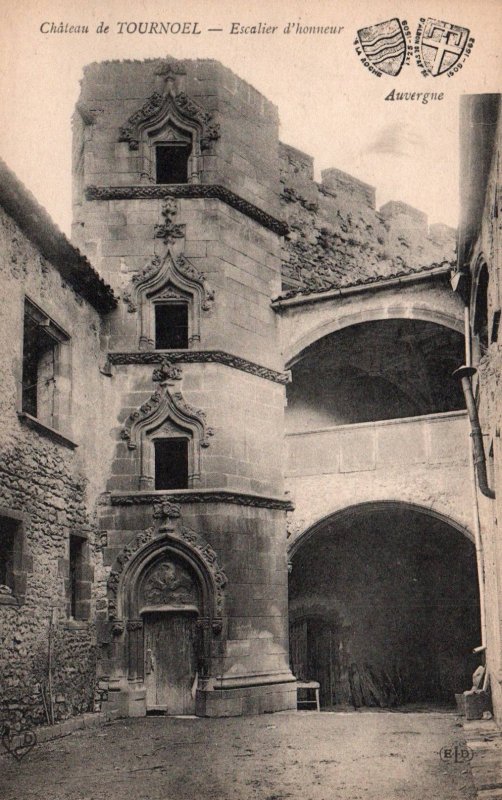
(168, 280)
(166, 414)
(167, 568)
(170, 116)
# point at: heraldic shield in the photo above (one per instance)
(441, 45)
(384, 45)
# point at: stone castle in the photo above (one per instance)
(234, 457)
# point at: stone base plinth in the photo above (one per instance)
(244, 700)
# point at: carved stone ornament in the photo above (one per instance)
(167, 510)
(118, 627)
(191, 273)
(166, 372)
(161, 406)
(166, 105)
(135, 625)
(196, 543)
(167, 279)
(169, 231)
(169, 583)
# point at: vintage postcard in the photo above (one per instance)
(250, 381)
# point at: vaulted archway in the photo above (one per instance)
(384, 606)
(376, 370)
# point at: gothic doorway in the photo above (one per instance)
(384, 607)
(170, 602)
(165, 607)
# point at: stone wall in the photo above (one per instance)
(488, 385)
(337, 236)
(423, 462)
(44, 489)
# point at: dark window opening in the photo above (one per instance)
(171, 463)
(172, 162)
(495, 325)
(481, 311)
(8, 531)
(39, 359)
(76, 561)
(171, 326)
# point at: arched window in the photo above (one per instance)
(170, 133)
(168, 436)
(169, 296)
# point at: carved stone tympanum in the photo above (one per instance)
(169, 583)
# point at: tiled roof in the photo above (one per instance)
(443, 267)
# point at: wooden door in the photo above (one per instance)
(170, 661)
(318, 654)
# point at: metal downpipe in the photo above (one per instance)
(464, 374)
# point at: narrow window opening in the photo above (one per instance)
(172, 162)
(76, 561)
(39, 363)
(8, 530)
(171, 326)
(495, 325)
(43, 354)
(171, 463)
(481, 312)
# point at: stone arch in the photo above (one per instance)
(377, 602)
(151, 555)
(344, 318)
(369, 506)
(196, 584)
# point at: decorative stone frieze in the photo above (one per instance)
(159, 191)
(201, 357)
(202, 496)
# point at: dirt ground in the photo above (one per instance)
(304, 756)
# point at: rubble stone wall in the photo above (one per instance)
(44, 489)
(488, 252)
(337, 236)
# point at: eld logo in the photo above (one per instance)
(456, 754)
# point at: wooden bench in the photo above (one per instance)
(308, 687)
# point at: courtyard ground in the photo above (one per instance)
(366, 755)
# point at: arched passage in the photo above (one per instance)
(384, 606)
(314, 322)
